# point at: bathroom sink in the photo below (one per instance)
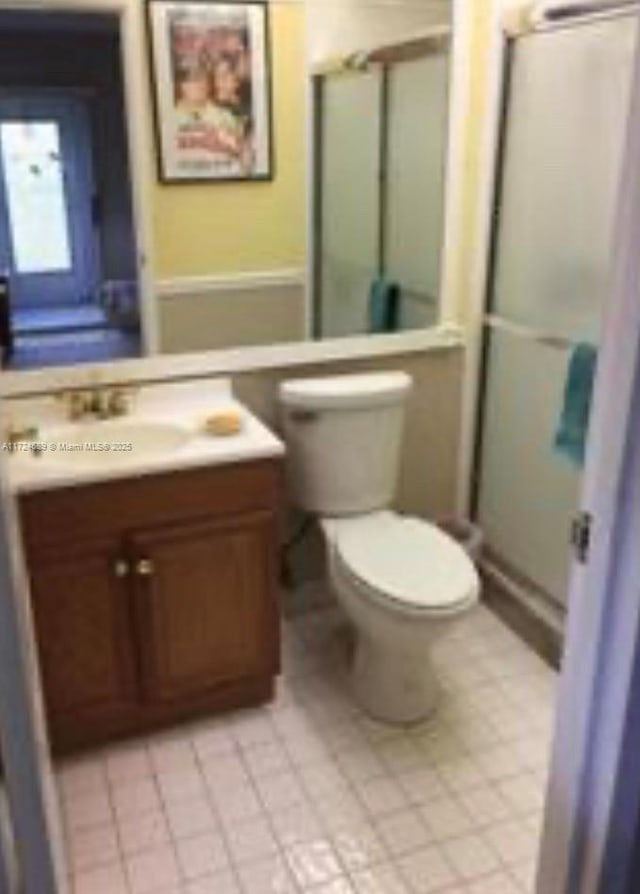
(109, 441)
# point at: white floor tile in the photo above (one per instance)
(279, 791)
(496, 883)
(250, 841)
(127, 763)
(152, 871)
(296, 824)
(446, 819)
(403, 832)
(212, 739)
(94, 846)
(191, 817)
(178, 786)
(381, 879)
(313, 863)
(422, 786)
(203, 855)
(171, 753)
(512, 841)
(426, 871)
(358, 847)
(102, 880)
(220, 883)
(470, 857)
(263, 760)
(381, 796)
(80, 776)
(270, 876)
(237, 804)
(360, 764)
(134, 799)
(337, 886)
(224, 773)
(87, 808)
(143, 833)
(485, 806)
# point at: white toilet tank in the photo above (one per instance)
(343, 436)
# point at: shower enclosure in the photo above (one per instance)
(380, 142)
(567, 90)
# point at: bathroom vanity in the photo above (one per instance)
(153, 581)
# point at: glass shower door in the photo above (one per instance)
(416, 151)
(562, 151)
(350, 200)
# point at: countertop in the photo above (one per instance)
(186, 405)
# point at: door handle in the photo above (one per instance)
(144, 567)
(121, 568)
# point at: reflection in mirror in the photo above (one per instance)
(68, 272)
(229, 261)
(380, 150)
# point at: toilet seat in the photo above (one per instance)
(408, 563)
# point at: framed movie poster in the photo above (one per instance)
(212, 90)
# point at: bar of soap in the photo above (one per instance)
(223, 423)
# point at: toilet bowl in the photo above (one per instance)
(402, 581)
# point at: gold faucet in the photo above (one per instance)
(101, 402)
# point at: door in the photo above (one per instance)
(562, 148)
(206, 594)
(82, 612)
(48, 235)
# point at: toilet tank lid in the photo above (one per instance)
(361, 390)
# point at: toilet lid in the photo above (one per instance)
(409, 561)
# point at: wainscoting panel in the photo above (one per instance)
(207, 313)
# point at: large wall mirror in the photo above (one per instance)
(103, 256)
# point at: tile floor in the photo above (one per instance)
(309, 795)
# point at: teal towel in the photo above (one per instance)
(384, 303)
(571, 436)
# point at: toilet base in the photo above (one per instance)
(391, 686)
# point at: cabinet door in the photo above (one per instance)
(82, 612)
(207, 603)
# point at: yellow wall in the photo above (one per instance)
(242, 227)
(484, 18)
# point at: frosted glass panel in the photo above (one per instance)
(350, 200)
(417, 144)
(34, 182)
(528, 493)
(566, 124)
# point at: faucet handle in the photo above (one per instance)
(119, 401)
(77, 403)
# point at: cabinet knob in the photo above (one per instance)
(121, 568)
(144, 567)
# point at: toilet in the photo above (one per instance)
(401, 580)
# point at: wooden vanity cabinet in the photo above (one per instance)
(154, 599)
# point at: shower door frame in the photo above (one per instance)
(488, 322)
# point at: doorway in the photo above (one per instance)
(68, 256)
(48, 233)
